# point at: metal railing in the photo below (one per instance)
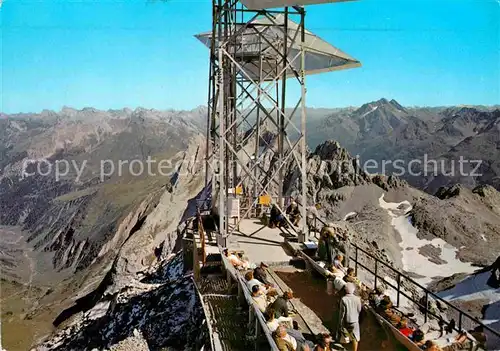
(215, 345)
(378, 264)
(201, 233)
(260, 323)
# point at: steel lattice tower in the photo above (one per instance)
(254, 55)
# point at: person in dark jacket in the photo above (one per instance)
(276, 218)
(260, 274)
(280, 305)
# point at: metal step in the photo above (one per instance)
(227, 319)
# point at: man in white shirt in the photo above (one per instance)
(259, 298)
(251, 282)
(273, 323)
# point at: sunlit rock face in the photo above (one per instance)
(163, 308)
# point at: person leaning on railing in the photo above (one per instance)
(326, 249)
(273, 323)
(259, 298)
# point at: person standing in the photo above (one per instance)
(294, 213)
(350, 309)
(311, 215)
(327, 246)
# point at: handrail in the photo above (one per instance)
(201, 233)
(227, 265)
(235, 275)
(427, 293)
(215, 346)
(258, 314)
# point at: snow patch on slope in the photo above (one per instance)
(350, 215)
(413, 261)
(474, 288)
(367, 113)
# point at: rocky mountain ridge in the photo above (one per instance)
(469, 220)
(385, 131)
(70, 227)
(94, 238)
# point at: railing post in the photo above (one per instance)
(376, 273)
(399, 288)
(250, 319)
(229, 281)
(257, 329)
(241, 295)
(356, 259)
(426, 305)
(460, 321)
(315, 226)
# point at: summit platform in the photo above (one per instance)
(260, 243)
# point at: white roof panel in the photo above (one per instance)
(269, 4)
(250, 49)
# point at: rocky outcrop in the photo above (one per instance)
(388, 182)
(88, 239)
(132, 247)
(331, 167)
(466, 219)
(53, 182)
(167, 313)
(444, 193)
(136, 342)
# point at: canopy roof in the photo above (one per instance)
(268, 4)
(251, 48)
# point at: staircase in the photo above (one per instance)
(226, 319)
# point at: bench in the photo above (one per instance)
(310, 320)
(244, 293)
(259, 317)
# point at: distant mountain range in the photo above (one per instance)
(63, 233)
(75, 238)
(384, 130)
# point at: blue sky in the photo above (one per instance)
(117, 53)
